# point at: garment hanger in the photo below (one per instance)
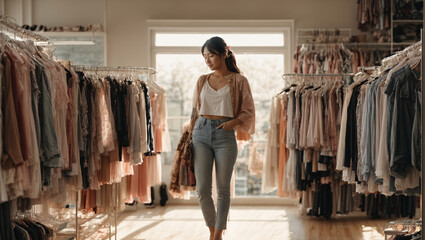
(414, 58)
(394, 67)
(309, 85)
(318, 83)
(154, 85)
(32, 52)
(414, 62)
(326, 85)
(361, 74)
(347, 51)
(289, 88)
(286, 89)
(389, 62)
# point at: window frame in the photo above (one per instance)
(227, 26)
(224, 26)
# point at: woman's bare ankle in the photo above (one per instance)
(218, 234)
(212, 232)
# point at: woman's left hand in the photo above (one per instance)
(229, 125)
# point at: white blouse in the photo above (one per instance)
(216, 103)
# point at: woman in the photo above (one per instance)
(223, 112)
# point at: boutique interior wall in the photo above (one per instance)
(126, 26)
(127, 29)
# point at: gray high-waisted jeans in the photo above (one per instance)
(210, 143)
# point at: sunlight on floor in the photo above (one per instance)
(371, 233)
(245, 222)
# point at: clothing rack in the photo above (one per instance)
(110, 69)
(17, 30)
(76, 215)
(401, 54)
(304, 35)
(351, 44)
(56, 225)
(388, 62)
(312, 76)
(367, 68)
(316, 75)
(422, 129)
(284, 76)
(371, 68)
(113, 70)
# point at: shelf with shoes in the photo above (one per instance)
(406, 23)
(404, 43)
(406, 34)
(71, 34)
(77, 35)
(77, 28)
(407, 10)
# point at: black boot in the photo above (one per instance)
(151, 204)
(163, 194)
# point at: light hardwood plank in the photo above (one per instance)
(183, 222)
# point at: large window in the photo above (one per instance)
(262, 55)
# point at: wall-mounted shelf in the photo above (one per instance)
(403, 43)
(401, 23)
(70, 34)
(82, 48)
(407, 21)
(306, 35)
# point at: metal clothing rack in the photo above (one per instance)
(21, 32)
(349, 44)
(370, 68)
(387, 63)
(401, 54)
(313, 76)
(305, 35)
(316, 75)
(115, 200)
(422, 128)
(76, 216)
(110, 69)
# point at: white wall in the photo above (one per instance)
(127, 42)
(127, 27)
(13, 9)
(68, 13)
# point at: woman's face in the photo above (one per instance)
(212, 60)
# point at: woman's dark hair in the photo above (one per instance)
(218, 46)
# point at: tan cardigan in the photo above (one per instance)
(242, 102)
(182, 173)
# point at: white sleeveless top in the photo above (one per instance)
(216, 103)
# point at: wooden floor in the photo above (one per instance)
(184, 222)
